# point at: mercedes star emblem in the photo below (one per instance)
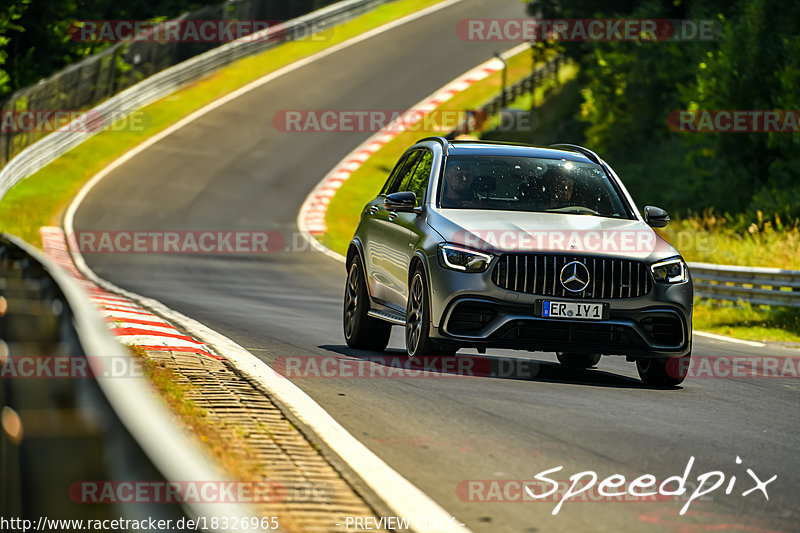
(574, 276)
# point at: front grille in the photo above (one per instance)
(539, 274)
(663, 329)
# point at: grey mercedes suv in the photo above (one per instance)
(498, 245)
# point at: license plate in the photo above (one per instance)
(574, 310)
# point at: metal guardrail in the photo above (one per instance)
(88, 82)
(59, 430)
(62, 425)
(525, 85)
(495, 105)
(42, 152)
(756, 285)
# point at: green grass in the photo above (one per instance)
(41, 198)
(343, 211)
(711, 239)
(743, 321)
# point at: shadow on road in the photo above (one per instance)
(394, 363)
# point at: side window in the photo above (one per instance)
(417, 181)
(400, 172)
(408, 170)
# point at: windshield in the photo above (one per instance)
(529, 184)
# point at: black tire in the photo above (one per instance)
(657, 372)
(418, 313)
(578, 360)
(361, 330)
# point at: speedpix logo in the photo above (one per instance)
(588, 486)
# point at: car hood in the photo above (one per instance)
(516, 231)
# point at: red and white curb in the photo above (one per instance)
(311, 218)
(131, 323)
(400, 496)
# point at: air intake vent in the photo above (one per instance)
(664, 329)
(470, 317)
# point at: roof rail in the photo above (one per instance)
(575, 148)
(441, 140)
(484, 141)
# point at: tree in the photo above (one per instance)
(9, 17)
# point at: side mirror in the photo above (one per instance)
(401, 202)
(655, 217)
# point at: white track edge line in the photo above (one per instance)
(393, 489)
(727, 339)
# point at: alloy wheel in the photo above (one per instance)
(351, 300)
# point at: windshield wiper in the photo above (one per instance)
(574, 210)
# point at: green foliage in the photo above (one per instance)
(630, 88)
(757, 66)
(9, 16)
(35, 39)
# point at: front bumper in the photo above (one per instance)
(472, 311)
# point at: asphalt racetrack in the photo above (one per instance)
(232, 170)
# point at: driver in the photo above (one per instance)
(457, 188)
(559, 186)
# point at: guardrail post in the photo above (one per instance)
(503, 94)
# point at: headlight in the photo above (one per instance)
(457, 258)
(669, 271)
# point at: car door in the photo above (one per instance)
(403, 230)
(378, 234)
